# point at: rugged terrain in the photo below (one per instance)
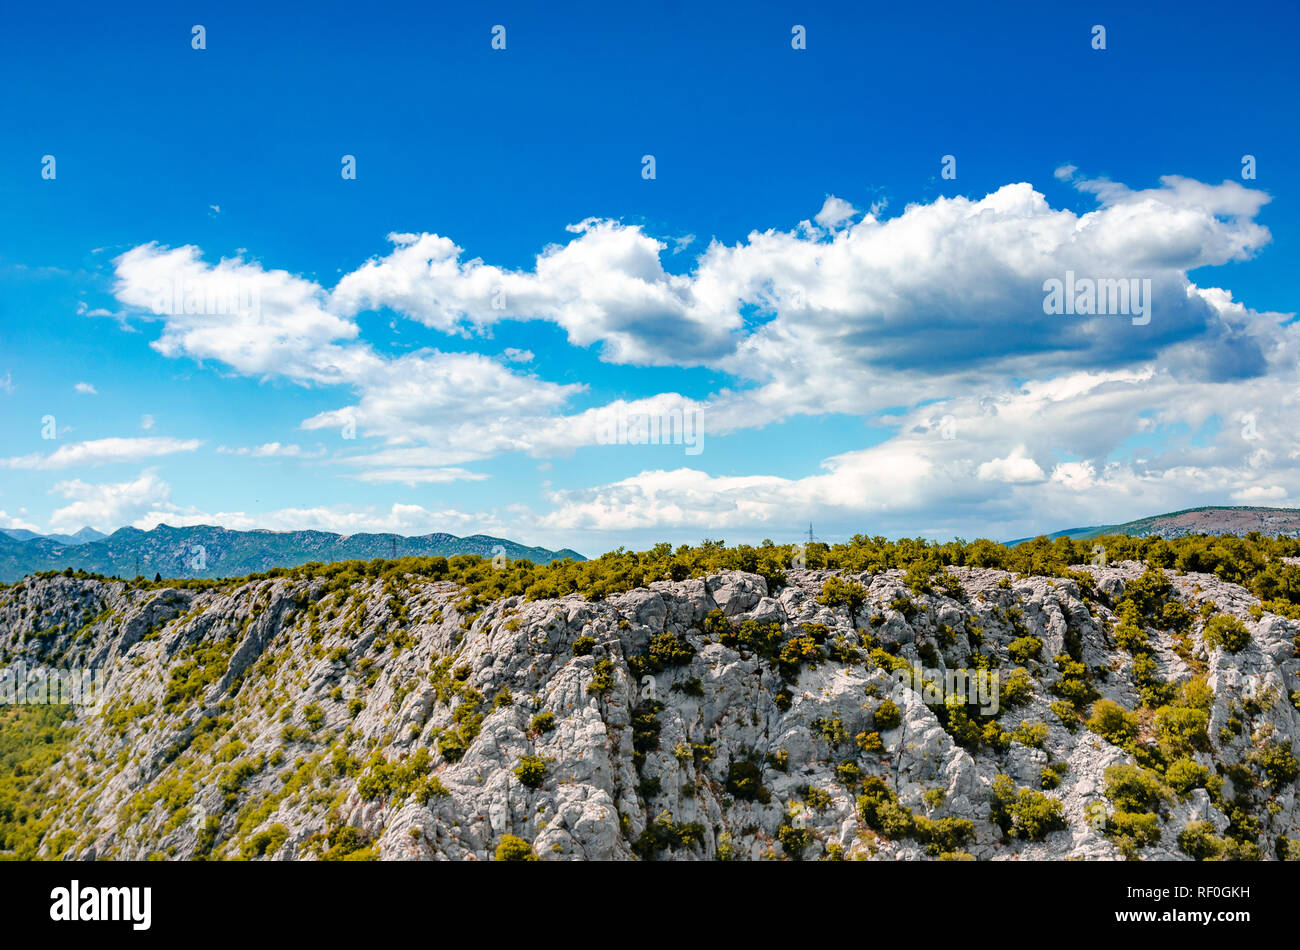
(383, 716)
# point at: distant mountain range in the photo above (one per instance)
(81, 537)
(1272, 522)
(206, 551)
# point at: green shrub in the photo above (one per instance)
(1184, 774)
(347, 843)
(1226, 631)
(1032, 734)
(1277, 763)
(880, 810)
(841, 593)
(745, 781)
(870, 742)
(1134, 789)
(798, 652)
(265, 842)
(832, 729)
(1073, 684)
(849, 773)
(512, 848)
(1025, 813)
(542, 722)
(793, 840)
(1183, 729)
(887, 716)
(531, 770)
(1114, 723)
(945, 836)
(1049, 776)
(664, 832)
(314, 715)
(1017, 688)
(817, 798)
(382, 778)
(761, 638)
(666, 650)
(1198, 841)
(1024, 649)
(602, 680)
(1131, 831)
(1288, 849)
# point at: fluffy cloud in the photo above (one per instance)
(106, 507)
(14, 521)
(835, 212)
(255, 321)
(606, 286)
(101, 452)
(468, 405)
(1009, 414)
(1016, 467)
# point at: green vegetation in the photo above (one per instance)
(1025, 812)
(199, 667)
(1114, 723)
(31, 741)
(531, 770)
(837, 592)
(745, 781)
(405, 778)
(602, 680)
(1227, 632)
(666, 834)
(880, 810)
(665, 652)
(1199, 841)
(343, 843)
(266, 842)
(513, 848)
(1137, 794)
(542, 722)
(1024, 649)
(1253, 561)
(887, 716)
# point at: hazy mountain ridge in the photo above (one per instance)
(80, 537)
(206, 551)
(708, 718)
(1240, 520)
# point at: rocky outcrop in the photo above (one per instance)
(296, 719)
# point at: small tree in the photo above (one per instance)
(512, 848)
(531, 770)
(1226, 631)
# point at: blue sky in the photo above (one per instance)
(821, 358)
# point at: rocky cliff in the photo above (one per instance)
(299, 718)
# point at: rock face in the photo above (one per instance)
(296, 719)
